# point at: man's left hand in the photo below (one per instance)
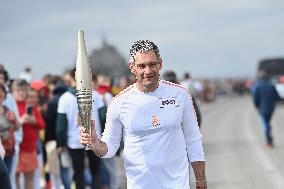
(201, 185)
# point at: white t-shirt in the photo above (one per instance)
(97, 103)
(160, 134)
(67, 104)
(107, 98)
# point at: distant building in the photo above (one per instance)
(107, 61)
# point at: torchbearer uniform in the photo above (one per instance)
(161, 136)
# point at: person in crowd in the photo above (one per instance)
(8, 125)
(26, 74)
(102, 98)
(158, 123)
(4, 175)
(67, 134)
(41, 105)
(193, 86)
(31, 121)
(11, 104)
(58, 173)
(265, 97)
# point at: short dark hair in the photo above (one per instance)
(262, 74)
(142, 46)
(72, 72)
(170, 76)
(94, 77)
(5, 74)
(20, 83)
(187, 75)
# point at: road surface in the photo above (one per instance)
(236, 155)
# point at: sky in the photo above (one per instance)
(208, 38)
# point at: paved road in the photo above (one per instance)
(235, 149)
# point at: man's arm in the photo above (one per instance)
(193, 143)
(98, 147)
(111, 137)
(61, 130)
(61, 124)
(199, 172)
(255, 95)
(191, 132)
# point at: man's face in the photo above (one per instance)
(146, 68)
(67, 79)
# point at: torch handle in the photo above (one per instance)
(84, 99)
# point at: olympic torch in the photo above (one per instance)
(83, 78)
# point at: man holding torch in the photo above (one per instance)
(157, 121)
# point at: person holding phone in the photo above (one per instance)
(31, 121)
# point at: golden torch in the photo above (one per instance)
(84, 89)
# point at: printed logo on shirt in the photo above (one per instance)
(155, 121)
(168, 102)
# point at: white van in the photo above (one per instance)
(274, 67)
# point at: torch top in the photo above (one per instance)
(83, 74)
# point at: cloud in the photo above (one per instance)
(200, 35)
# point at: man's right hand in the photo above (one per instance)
(85, 138)
(98, 147)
